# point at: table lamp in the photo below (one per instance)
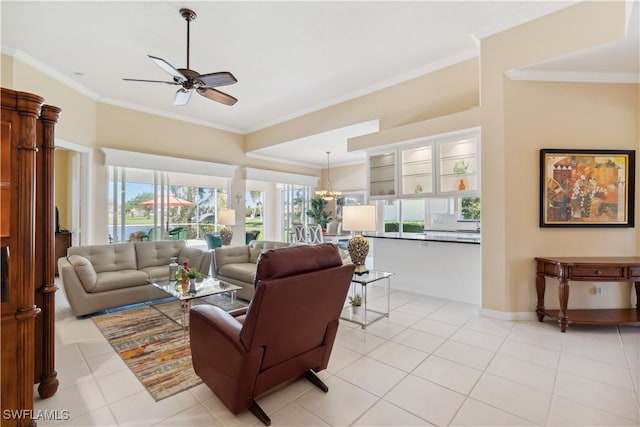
(226, 217)
(359, 219)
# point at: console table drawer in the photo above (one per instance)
(603, 272)
(634, 273)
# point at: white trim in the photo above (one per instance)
(508, 315)
(572, 76)
(82, 185)
(132, 159)
(280, 177)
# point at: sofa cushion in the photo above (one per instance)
(157, 272)
(85, 271)
(153, 254)
(244, 272)
(111, 280)
(114, 257)
(194, 257)
(257, 247)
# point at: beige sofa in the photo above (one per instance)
(237, 264)
(97, 277)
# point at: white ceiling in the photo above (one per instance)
(290, 58)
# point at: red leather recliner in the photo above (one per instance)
(287, 331)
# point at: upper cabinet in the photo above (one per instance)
(382, 175)
(416, 171)
(440, 165)
(458, 166)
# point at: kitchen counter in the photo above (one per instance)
(452, 236)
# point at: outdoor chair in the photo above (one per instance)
(213, 241)
(286, 332)
(252, 235)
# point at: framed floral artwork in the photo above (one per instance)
(587, 188)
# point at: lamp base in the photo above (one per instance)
(360, 270)
(358, 249)
(226, 234)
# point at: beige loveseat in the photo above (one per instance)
(237, 264)
(97, 277)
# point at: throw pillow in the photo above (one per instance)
(85, 271)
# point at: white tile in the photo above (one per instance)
(283, 395)
(141, 409)
(384, 413)
(491, 326)
(415, 309)
(95, 348)
(596, 370)
(400, 318)
(98, 417)
(478, 339)
(430, 326)
(465, 354)
(359, 341)
(398, 355)
(514, 398)
(530, 332)
(530, 352)
(71, 367)
(78, 400)
(617, 401)
(523, 372)
(118, 385)
(295, 415)
(195, 416)
(605, 351)
(371, 375)
(78, 330)
(227, 418)
(434, 403)
(449, 374)
(341, 357)
(342, 405)
(474, 413)
(106, 364)
(384, 329)
(201, 392)
(419, 340)
(566, 412)
(451, 316)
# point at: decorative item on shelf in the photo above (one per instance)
(359, 219)
(460, 166)
(193, 276)
(356, 302)
(418, 189)
(327, 194)
(184, 279)
(461, 185)
(226, 217)
(173, 268)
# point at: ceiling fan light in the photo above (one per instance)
(182, 97)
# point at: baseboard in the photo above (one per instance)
(508, 315)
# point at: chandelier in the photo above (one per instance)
(328, 194)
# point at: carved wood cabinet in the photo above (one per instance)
(27, 239)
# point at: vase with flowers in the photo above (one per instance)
(585, 188)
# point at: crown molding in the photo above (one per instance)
(572, 76)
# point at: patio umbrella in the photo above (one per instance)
(171, 201)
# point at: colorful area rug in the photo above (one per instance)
(154, 347)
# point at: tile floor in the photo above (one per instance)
(432, 362)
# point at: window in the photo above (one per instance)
(295, 203)
(157, 205)
(255, 212)
(469, 209)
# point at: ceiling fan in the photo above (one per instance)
(204, 84)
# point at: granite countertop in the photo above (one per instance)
(450, 236)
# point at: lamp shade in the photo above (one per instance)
(359, 218)
(227, 216)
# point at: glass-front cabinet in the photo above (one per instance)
(458, 166)
(416, 171)
(382, 175)
(441, 165)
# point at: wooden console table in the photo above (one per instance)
(587, 269)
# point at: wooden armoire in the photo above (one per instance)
(27, 240)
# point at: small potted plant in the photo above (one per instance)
(356, 302)
(193, 276)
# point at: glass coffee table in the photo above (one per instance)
(186, 297)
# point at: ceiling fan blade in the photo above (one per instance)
(182, 97)
(221, 78)
(216, 95)
(177, 75)
(151, 81)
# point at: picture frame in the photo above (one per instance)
(587, 188)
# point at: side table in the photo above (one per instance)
(367, 316)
